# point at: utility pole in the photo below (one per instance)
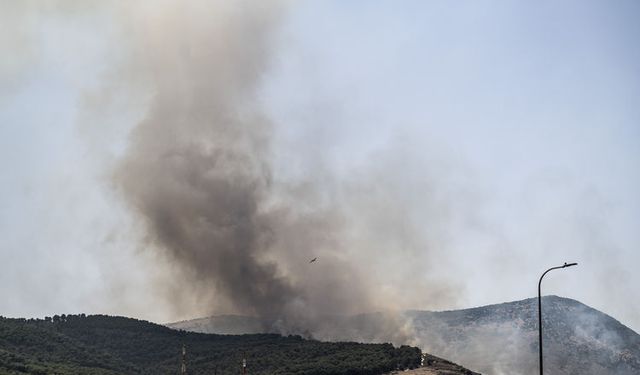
(183, 370)
(565, 265)
(244, 365)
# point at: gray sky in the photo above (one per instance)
(476, 144)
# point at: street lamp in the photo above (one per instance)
(565, 265)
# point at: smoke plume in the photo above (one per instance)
(198, 171)
(195, 169)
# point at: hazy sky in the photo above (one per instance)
(496, 138)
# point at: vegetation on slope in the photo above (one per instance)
(104, 345)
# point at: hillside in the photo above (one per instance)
(502, 339)
(104, 345)
(499, 339)
(222, 325)
(433, 365)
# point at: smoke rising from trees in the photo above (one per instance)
(198, 171)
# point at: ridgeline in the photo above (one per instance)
(106, 345)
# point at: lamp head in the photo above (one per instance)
(569, 264)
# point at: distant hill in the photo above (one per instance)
(497, 339)
(502, 339)
(104, 345)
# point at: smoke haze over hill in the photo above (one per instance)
(498, 339)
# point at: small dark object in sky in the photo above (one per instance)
(313, 260)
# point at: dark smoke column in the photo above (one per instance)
(196, 170)
(198, 173)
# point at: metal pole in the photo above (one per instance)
(565, 265)
(183, 370)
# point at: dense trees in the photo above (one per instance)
(104, 345)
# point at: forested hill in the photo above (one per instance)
(105, 345)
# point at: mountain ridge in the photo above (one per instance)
(502, 338)
(105, 345)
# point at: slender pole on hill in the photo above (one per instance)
(565, 265)
(183, 370)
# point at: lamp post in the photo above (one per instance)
(565, 265)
